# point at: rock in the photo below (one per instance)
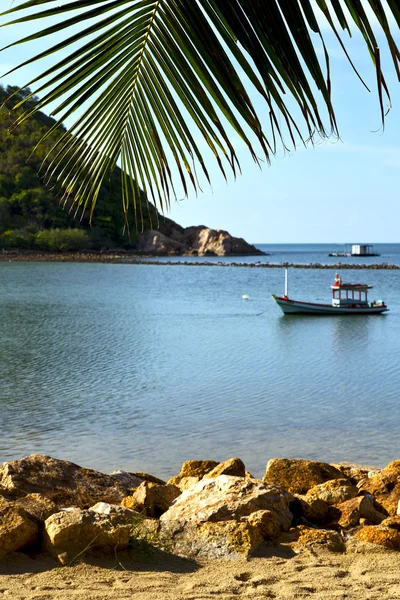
(152, 499)
(306, 537)
(196, 240)
(297, 475)
(154, 243)
(353, 510)
(392, 522)
(38, 507)
(233, 466)
(265, 522)
(191, 473)
(71, 532)
(314, 510)
(146, 477)
(63, 482)
(356, 473)
(382, 536)
(17, 529)
(225, 540)
(197, 468)
(218, 242)
(228, 498)
(184, 483)
(334, 491)
(129, 481)
(385, 487)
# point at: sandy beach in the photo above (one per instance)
(370, 572)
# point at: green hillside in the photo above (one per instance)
(30, 213)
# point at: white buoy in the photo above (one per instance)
(245, 297)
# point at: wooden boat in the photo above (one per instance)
(347, 299)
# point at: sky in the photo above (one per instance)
(337, 191)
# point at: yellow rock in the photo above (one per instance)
(297, 475)
(233, 466)
(377, 534)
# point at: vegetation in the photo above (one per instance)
(163, 73)
(31, 216)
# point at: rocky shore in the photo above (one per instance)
(120, 257)
(209, 510)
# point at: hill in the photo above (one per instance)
(31, 216)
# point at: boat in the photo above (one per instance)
(347, 299)
(356, 250)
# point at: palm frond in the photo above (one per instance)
(161, 73)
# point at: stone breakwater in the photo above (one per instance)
(128, 258)
(209, 510)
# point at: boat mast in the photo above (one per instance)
(286, 283)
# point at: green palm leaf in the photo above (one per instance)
(162, 74)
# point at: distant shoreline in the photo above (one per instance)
(131, 258)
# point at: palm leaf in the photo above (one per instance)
(160, 73)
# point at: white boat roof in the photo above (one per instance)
(360, 287)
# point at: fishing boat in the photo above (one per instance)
(347, 299)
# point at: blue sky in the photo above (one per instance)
(335, 192)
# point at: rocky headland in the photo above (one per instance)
(172, 239)
(209, 510)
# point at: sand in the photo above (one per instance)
(373, 573)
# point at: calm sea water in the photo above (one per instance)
(140, 367)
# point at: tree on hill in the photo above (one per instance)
(161, 73)
(30, 213)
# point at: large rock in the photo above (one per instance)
(306, 537)
(153, 242)
(72, 532)
(233, 466)
(380, 535)
(385, 487)
(351, 511)
(38, 507)
(334, 491)
(191, 472)
(199, 240)
(312, 509)
(17, 529)
(228, 498)
(223, 539)
(152, 499)
(130, 481)
(298, 475)
(355, 472)
(63, 482)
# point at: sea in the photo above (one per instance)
(140, 367)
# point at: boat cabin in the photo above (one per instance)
(350, 294)
(362, 250)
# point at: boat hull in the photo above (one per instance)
(295, 307)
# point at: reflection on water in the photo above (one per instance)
(143, 367)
